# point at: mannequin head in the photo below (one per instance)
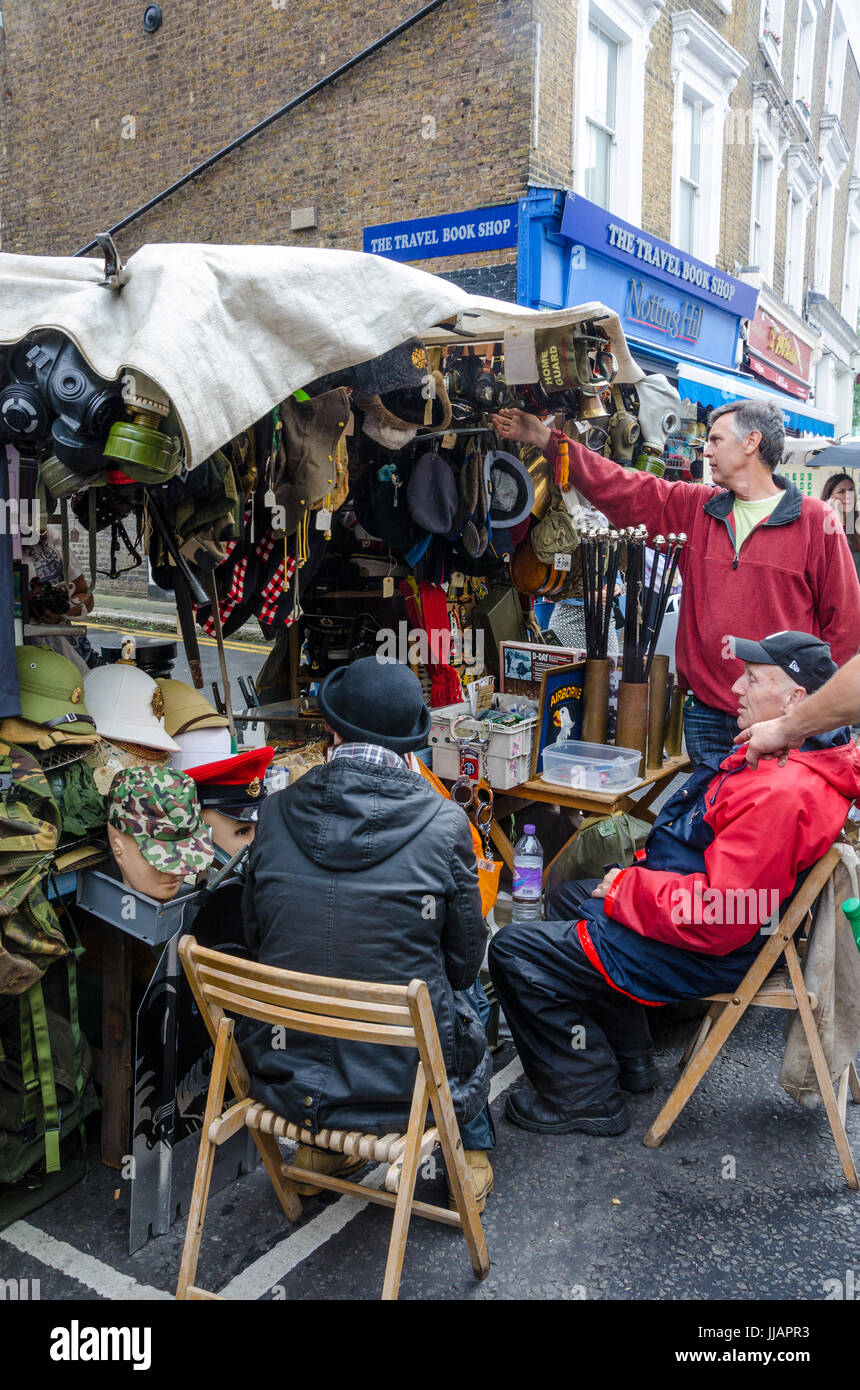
(137, 872)
(228, 833)
(155, 830)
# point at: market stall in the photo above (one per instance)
(304, 438)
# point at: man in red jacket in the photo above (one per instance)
(723, 857)
(759, 556)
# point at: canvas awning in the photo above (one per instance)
(228, 332)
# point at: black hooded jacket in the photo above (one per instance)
(363, 872)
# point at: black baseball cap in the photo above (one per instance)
(803, 657)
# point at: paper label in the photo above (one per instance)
(561, 562)
(269, 500)
(323, 521)
(520, 357)
(388, 586)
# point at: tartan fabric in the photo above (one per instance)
(368, 753)
(270, 593)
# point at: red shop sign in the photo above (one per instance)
(779, 356)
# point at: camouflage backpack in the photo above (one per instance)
(30, 932)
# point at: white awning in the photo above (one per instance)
(228, 332)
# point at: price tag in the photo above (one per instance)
(561, 562)
(449, 441)
(269, 499)
(388, 586)
(323, 521)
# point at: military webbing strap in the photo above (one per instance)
(34, 1001)
(64, 534)
(93, 537)
(77, 950)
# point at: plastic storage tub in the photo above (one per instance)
(591, 767)
(505, 761)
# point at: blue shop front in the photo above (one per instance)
(681, 317)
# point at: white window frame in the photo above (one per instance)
(850, 301)
(770, 30)
(837, 56)
(833, 156)
(804, 55)
(803, 178)
(705, 68)
(769, 147)
(629, 23)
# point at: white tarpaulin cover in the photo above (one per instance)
(228, 332)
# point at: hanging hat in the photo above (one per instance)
(234, 786)
(432, 494)
(186, 708)
(380, 505)
(426, 406)
(387, 435)
(160, 810)
(509, 488)
(52, 692)
(376, 702)
(404, 365)
(127, 706)
(200, 745)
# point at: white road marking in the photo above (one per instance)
(278, 1262)
(253, 1282)
(86, 1269)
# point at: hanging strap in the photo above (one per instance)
(93, 537)
(75, 953)
(50, 1113)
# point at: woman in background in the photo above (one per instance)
(840, 492)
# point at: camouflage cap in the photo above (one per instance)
(158, 807)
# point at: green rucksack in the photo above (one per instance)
(601, 840)
(30, 932)
(46, 1090)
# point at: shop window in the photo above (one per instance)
(609, 102)
(804, 62)
(602, 79)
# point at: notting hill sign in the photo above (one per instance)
(592, 226)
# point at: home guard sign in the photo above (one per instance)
(452, 233)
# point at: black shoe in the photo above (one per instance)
(638, 1073)
(532, 1111)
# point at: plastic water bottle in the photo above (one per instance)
(528, 875)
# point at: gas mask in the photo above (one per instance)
(624, 435)
(659, 412)
(54, 401)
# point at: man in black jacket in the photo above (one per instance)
(360, 870)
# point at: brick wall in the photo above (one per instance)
(98, 116)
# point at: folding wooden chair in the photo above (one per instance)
(397, 1015)
(785, 990)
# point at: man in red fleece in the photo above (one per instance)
(759, 556)
(724, 856)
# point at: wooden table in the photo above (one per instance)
(595, 803)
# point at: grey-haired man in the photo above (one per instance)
(759, 556)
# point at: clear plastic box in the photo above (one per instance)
(592, 767)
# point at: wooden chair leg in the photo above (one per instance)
(406, 1190)
(205, 1160)
(842, 1097)
(462, 1186)
(854, 1083)
(701, 1033)
(822, 1072)
(695, 1069)
(273, 1161)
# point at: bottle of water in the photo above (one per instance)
(528, 874)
